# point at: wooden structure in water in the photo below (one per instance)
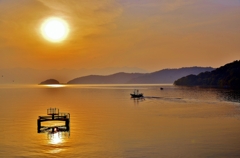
(53, 115)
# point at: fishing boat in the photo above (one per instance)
(136, 94)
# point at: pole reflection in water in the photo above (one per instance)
(56, 134)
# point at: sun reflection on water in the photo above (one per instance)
(55, 138)
(56, 141)
(56, 150)
(54, 85)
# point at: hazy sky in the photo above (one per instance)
(149, 34)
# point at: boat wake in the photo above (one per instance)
(165, 98)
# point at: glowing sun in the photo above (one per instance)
(54, 29)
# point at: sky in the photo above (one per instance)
(148, 34)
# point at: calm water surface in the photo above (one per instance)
(106, 122)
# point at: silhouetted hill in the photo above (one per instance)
(162, 76)
(118, 78)
(169, 75)
(50, 81)
(225, 76)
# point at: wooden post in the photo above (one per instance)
(67, 124)
(38, 125)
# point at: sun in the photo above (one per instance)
(54, 29)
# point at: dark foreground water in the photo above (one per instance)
(106, 122)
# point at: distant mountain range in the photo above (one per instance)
(117, 78)
(227, 76)
(162, 76)
(125, 75)
(33, 76)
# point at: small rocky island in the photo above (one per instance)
(50, 81)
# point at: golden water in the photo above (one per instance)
(106, 122)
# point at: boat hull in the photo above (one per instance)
(136, 95)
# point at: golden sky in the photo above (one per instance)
(149, 34)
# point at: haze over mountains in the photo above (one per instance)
(162, 76)
(124, 75)
(168, 75)
(34, 76)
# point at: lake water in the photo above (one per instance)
(106, 122)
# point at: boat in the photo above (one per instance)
(136, 94)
